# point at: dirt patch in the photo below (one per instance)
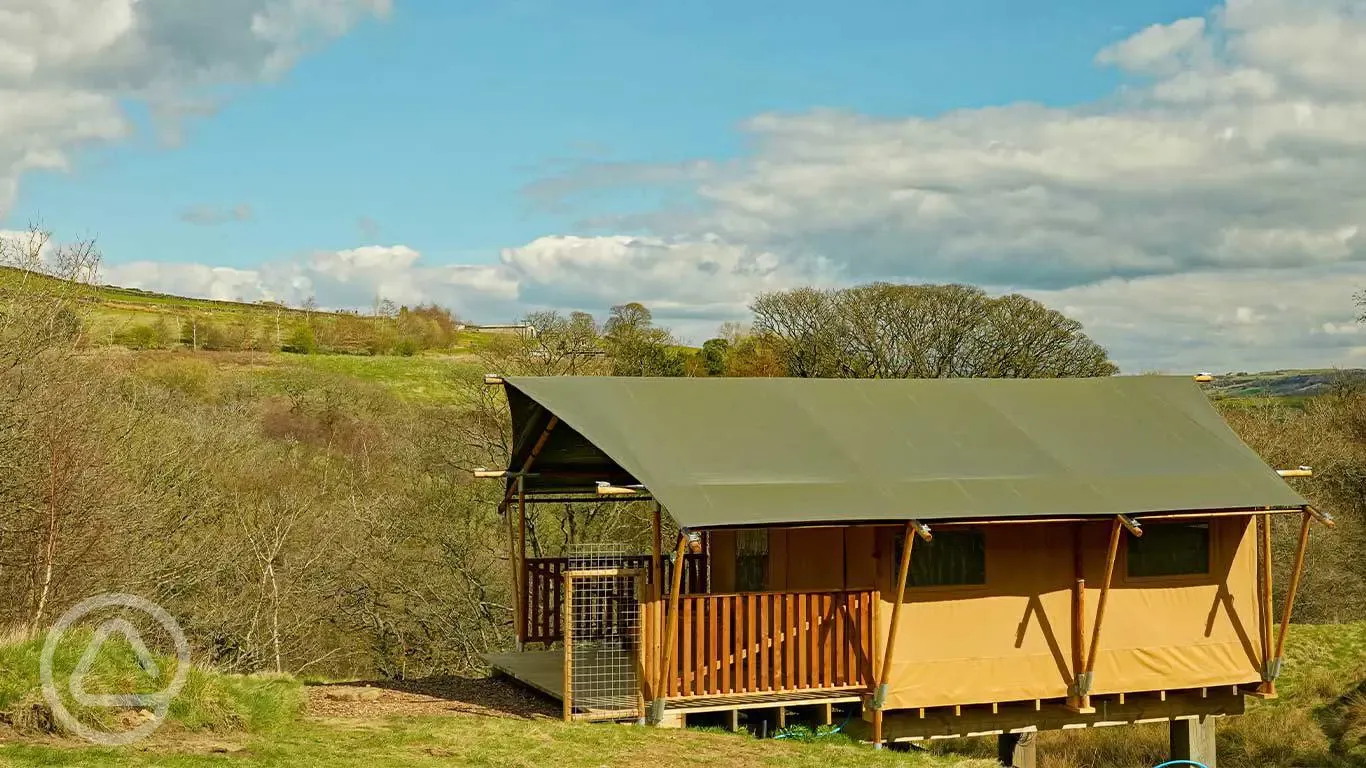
(482, 697)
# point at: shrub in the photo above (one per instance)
(406, 347)
(301, 340)
(209, 701)
(143, 336)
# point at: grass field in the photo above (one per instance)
(425, 378)
(1319, 721)
(470, 741)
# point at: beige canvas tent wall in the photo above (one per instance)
(1011, 639)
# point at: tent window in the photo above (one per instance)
(951, 558)
(751, 560)
(1170, 549)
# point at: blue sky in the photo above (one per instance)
(1111, 159)
(432, 122)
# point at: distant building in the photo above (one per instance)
(520, 328)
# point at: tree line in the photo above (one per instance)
(881, 330)
(298, 520)
(388, 330)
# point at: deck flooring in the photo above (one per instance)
(542, 670)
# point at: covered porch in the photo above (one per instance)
(601, 632)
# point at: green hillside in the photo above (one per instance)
(1283, 387)
(146, 320)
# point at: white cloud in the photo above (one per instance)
(348, 279)
(688, 278)
(1234, 166)
(1161, 48)
(1256, 319)
(66, 66)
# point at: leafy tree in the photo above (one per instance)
(637, 346)
(884, 330)
(714, 353)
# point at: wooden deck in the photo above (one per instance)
(544, 672)
(541, 670)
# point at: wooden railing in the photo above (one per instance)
(542, 619)
(763, 643)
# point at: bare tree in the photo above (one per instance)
(884, 330)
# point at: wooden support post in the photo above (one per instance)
(889, 653)
(568, 682)
(827, 714)
(671, 626)
(1193, 739)
(1268, 685)
(877, 729)
(657, 548)
(1079, 701)
(1295, 574)
(1017, 750)
(516, 581)
(521, 563)
(1084, 680)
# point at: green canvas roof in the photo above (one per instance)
(723, 452)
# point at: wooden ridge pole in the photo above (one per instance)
(671, 627)
(1084, 680)
(1294, 590)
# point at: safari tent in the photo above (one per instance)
(938, 557)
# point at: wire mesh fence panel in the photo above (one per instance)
(602, 635)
